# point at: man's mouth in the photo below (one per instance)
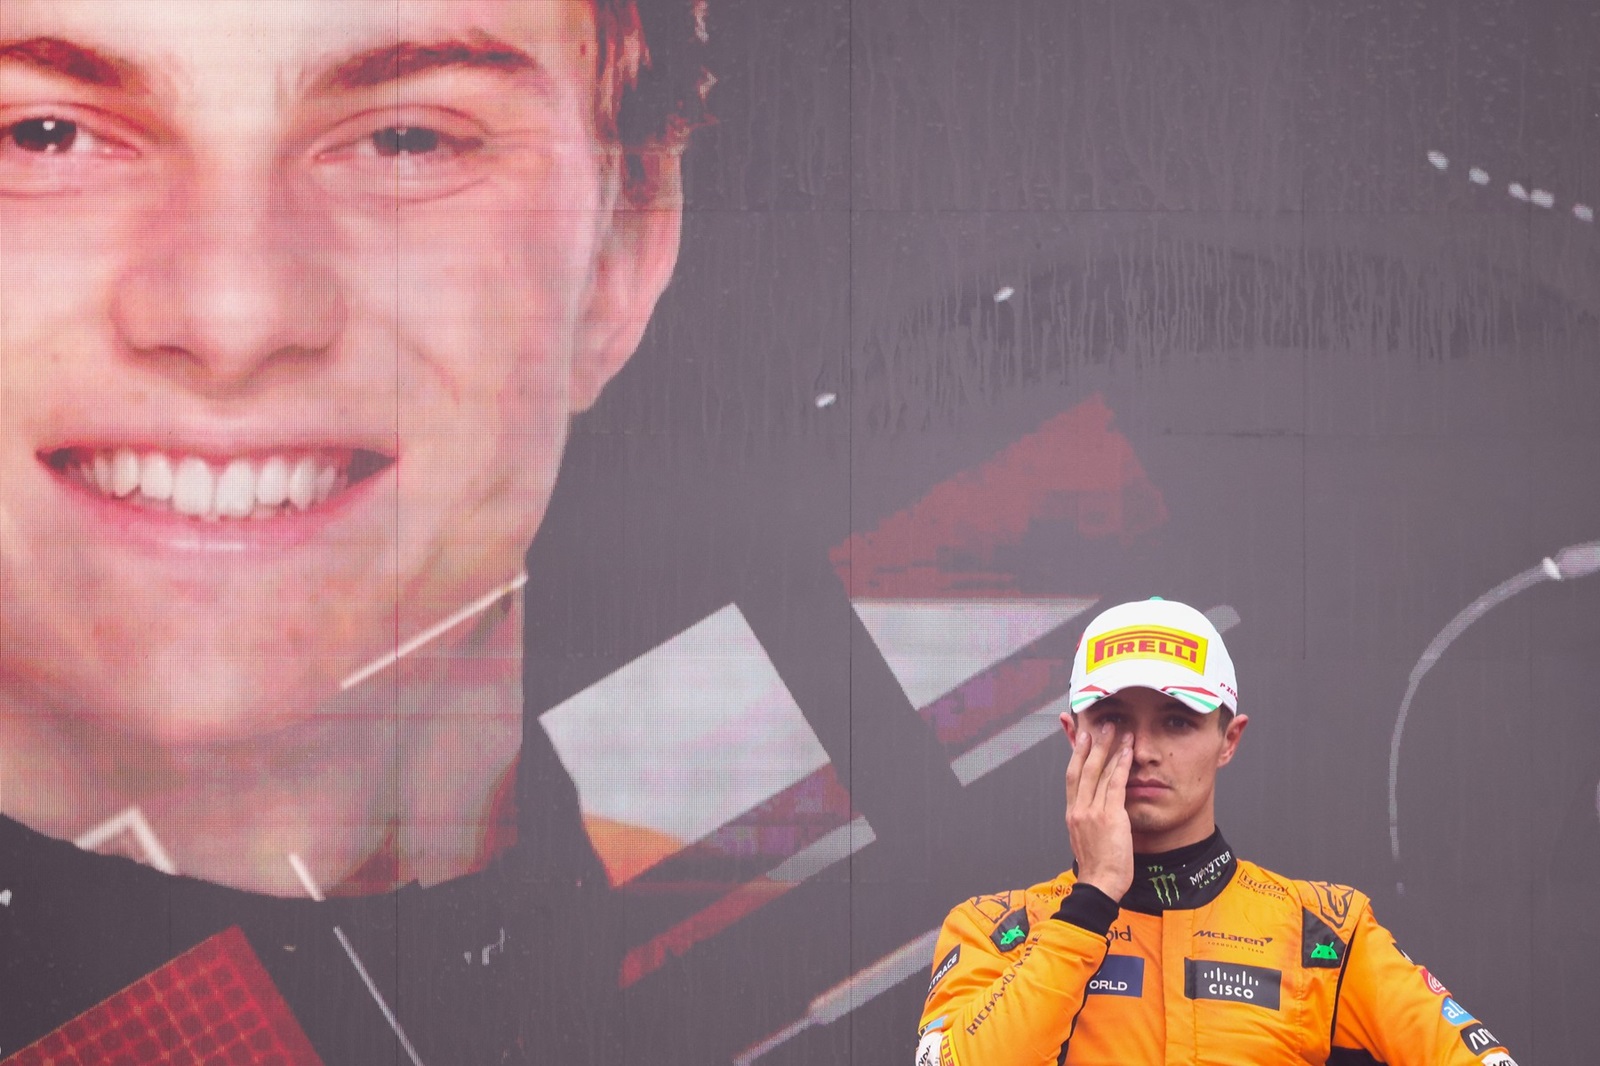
(257, 486)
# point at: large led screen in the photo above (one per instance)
(556, 531)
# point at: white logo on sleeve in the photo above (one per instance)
(928, 1050)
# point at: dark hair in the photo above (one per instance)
(652, 79)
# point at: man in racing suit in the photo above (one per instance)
(1161, 946)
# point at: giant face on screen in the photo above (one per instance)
(298, 299)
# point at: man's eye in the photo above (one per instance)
(44, 136)
(406, 140)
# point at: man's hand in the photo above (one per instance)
(1097, 822)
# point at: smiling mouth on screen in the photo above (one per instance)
(265, 485)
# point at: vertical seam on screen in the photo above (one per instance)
(847, 388)
(399, 740)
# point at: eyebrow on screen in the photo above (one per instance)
(364, 70)
(391, 63)
(74, 62)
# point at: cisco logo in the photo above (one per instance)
(1229, 984)
(1232, 982)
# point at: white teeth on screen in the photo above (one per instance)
(102, 471)
(191, 486)
(272, 485)
(124, 472)
(236, 490)
(303, 484)
(155, 477)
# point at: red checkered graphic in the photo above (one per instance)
(214, 1004)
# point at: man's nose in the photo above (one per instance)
(1144, 745)
(230, 276)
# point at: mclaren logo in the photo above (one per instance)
(1235, 938)
(1148, 642)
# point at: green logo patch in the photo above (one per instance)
(1011, 930)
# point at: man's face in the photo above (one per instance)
(296, 301)
(1176, 755)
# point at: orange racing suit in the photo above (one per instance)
(1208, 960)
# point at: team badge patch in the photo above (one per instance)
(1320, 946)
(1147, 642)
(1011, 931)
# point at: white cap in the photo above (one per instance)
(1154, 643)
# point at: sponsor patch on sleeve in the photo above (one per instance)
(1011, 932)
(1478, 1039)
(1498, 1058)
(928, 1050)
(1455, 1013)
(946, 964)
(1434, 984)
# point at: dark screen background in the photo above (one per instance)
(1353, 385)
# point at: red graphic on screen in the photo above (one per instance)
(934, 584)
(213, 1004)
(981, 657)
(1075, 469)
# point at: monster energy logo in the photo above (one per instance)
(1011, 936)
(1166, 886)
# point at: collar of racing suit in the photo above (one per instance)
(1181, 879)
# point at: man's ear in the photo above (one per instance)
(1069, 722)
(1230, 738)
(632, 267)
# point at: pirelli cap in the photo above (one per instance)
(1154, 643)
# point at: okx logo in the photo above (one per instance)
(1478, 1039)
(1232, 981)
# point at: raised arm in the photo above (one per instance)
(1006, 992)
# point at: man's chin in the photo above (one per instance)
(1148, 822)
(203, 712)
